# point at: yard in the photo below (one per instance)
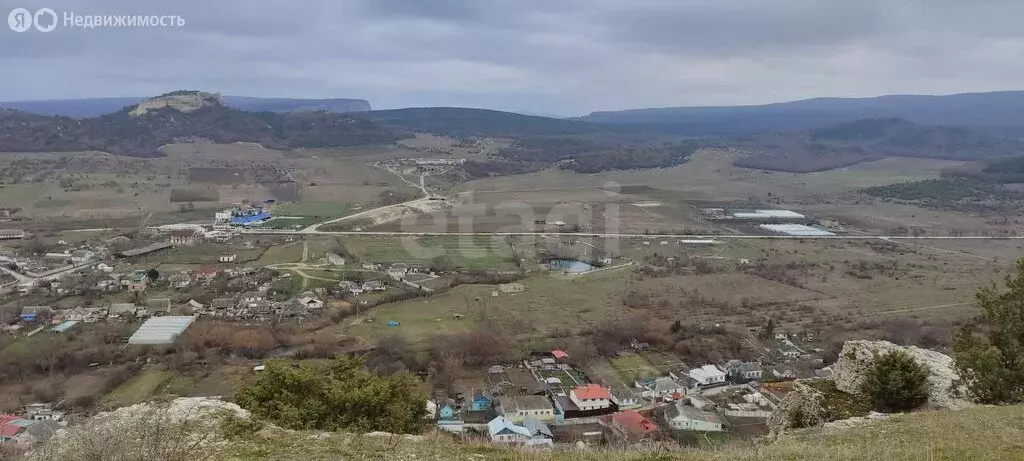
(632, 367)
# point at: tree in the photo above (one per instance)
(342, 396)
(442, 263)
(768, 332)
(988, 353)
(896, 382)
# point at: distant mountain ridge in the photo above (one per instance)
(466, 122)
(183, 116)
(994, 112)
(849, 143)
(95, 107)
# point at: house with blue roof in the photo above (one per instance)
(530, 432)
(448, 412)
(35, 313)
(482, 401)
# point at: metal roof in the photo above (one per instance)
(795, 229)
(161, 330)
(65, 326)
(780, 213)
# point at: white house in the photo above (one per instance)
(591, 397)
(222, 216)
(82, 256)
(310, 302)
(746, 371)
(625, 398)
(517, 409)
(502, 430)
(687, 418)
(105, 268)
(708, 375)
(228, 258)
(661, 387)
(532, 432)
(251, 297)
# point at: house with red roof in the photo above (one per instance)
(591, 397)
(16, 430)
(633, 426)
(208, 273)
(560, 354)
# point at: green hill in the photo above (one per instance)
(196, 115)
(845, 144)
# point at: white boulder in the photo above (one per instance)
(857, 356)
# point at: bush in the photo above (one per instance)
(344, 395)
(895, 382)
(991, 366)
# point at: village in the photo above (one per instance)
(160, 282)
(545, 399)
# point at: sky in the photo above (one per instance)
(548, 57)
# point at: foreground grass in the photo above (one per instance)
(995, 433)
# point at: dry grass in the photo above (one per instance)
(977, 434)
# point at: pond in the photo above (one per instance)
(570, 265)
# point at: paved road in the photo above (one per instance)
(24, 279)
(312, 230)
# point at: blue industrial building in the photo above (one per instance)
(249, 217)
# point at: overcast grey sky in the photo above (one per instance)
(561, 57)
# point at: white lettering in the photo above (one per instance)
(154, 20)
(181, 21)
(120, 21)
(69, 18)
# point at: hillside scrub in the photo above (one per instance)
(341, 396)
(896, 382)
(989, 352)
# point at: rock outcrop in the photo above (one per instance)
(183, 428)
(181, 101)
(801, 407)
(857, 356)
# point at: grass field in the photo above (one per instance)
(549, 303)
(478, 252)
(280, 254)
(138, 389)
(321, 209)
(299, 222)
(632, 367)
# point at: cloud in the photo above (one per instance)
(565, 57)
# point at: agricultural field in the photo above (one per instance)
(549, 304)
(476, 252)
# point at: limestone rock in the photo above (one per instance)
(802, 407)
(856, 421)
(857, 356)
(181, 101)
(183, 426)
